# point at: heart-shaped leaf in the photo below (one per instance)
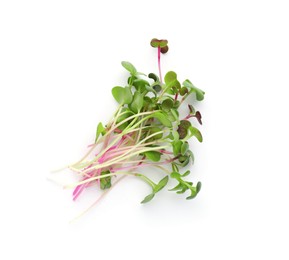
(140, 85)
(158, 43)
(170, 78)
(122, 95)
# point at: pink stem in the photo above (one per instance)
(159, 63)
(116, 130)
(113, 154)
(165, 152)
(78, 190)
(110, 153)
(176, 96)
(188, 117)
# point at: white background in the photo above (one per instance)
(58, 63)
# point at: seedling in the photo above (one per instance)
(145, 132)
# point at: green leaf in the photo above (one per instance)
(178, 187)
(170, 116)
(191, 155)
(163, 43)
(156, 87)
(175, 168)
(153, 130)
(184, 160)
(195, 132)
(199, 93)
(175, 175)
(184, 189)
(177, 104)
(123, 126)
(100, 130)
(155, 43)
(137, 102)
(199, 186)
(163, 182)
(122, 95)
(140, 85)
(167, 104)
(193, 195)
(177, 147)
(194, 190)
(162, 118)
(105, 183)
(129, 67)
(184, 148)
(131, 79)
(170, 77)
(192, 110)
(154, 77)
(175, 114)
(153, 156)
(148, 198)
(176, 136)
(125, 113)
(170, 92)
(186, 173)
(147, 101)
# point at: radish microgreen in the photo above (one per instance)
(145, 133)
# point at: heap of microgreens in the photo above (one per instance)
(144, 132)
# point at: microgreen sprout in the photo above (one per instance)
(145, 133)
